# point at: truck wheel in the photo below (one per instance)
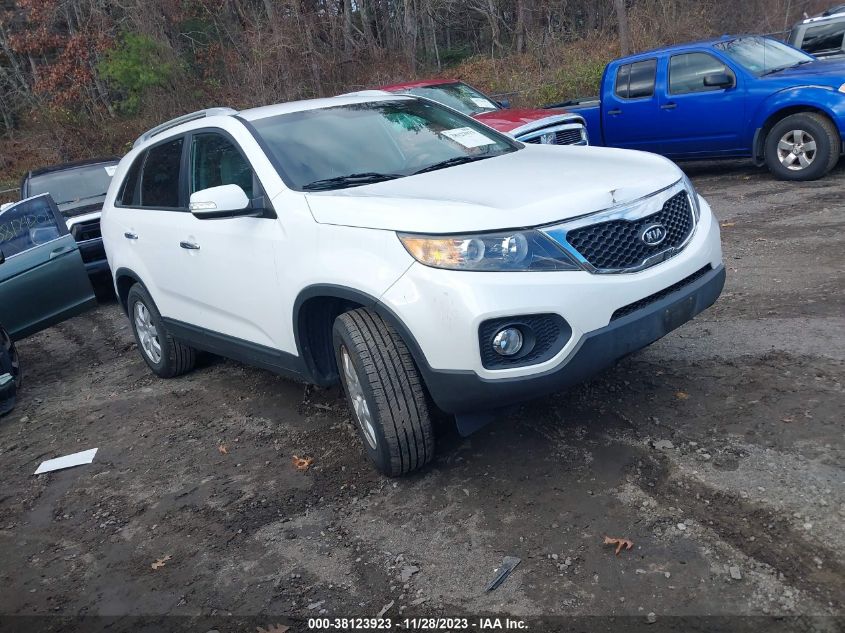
(166, 356)
(385, 392)
(8, 346)
(803, 146)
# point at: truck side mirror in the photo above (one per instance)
(719, 80)
(505, 103)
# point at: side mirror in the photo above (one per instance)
(505, 103)
(225, 201)
(719, 80)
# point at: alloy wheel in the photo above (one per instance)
(359, 401)
(12, 353)
(147, 333)
(797, 150)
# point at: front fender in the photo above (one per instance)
(822, 98)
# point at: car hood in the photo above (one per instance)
(828, 72)
(529, 187)
(509, 120)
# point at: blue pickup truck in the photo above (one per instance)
(730, 97)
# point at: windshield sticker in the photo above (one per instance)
(482, 103)
(468, 137)
(110, 169)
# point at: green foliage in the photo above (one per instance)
(137, 64)
(580, 78)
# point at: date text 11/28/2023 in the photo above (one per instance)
(417, 624)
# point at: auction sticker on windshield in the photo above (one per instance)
(482, 103)
(468, 137)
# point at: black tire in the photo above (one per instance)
(391, 386)
(816, 128)
(174, 358)
(13, 362)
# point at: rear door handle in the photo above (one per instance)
(191, 246)
(130, 236)
(614, 112)
(669, 106)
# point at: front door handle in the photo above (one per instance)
(614, 112)
(669, 106)
(61, 250)
(191, 246)
(130, 236)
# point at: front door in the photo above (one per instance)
(696, 118)
(42, 277)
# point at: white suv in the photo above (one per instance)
(405, 249)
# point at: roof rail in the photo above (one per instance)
(185, 118)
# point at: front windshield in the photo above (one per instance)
(362, 143)
(74, 187)
(458, 96)
(762, 55)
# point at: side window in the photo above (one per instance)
(160, 176)
(824, 38)
(28, 224)
(687, 72)
(636, 81)
(130, 194)
(216, 161)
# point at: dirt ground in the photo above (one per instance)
(718, 451)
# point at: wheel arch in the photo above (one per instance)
(783, 111)
(315, 309)
(124, 279)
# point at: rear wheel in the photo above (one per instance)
(803, 146)
(11, 352)
(166, 356)
(385, 392)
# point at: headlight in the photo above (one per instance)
(506, 251)
(693, 194)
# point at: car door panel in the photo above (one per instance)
(43, 279)
(630, 106)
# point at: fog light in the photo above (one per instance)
(508, 341)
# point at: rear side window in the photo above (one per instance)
(216, 161)
(130, 195)
(28, 224)
(636, 81)
(687, 72)
(160, 176)
(824, 38)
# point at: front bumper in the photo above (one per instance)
(466, 392)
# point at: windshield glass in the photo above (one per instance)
(762, 55)
(458, 96)
(361, 143)
(74, 187)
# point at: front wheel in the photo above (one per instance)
(385, 392)
(803, 146)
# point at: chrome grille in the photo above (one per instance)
(569, 134)
(561, 137)
(616, 245)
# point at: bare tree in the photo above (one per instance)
(624, 27)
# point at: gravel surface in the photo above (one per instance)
(718, 451)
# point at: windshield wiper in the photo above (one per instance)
(350, 180)
(96, 195)
(451, 162)
(780, 68)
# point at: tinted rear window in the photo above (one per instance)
(160, 176)
(636, 81)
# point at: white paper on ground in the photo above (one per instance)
(467, 137)
(68, 461)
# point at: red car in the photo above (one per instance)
(548, 127)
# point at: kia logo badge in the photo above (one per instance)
(653, 234)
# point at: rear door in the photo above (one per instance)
(630, 106)
(697, 119)
(42, 277)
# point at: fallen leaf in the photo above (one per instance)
(302, 463)
(224, 450)
(681, 395)
(619, 542)
(725, 225)
(160, 562)
(273, 628)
